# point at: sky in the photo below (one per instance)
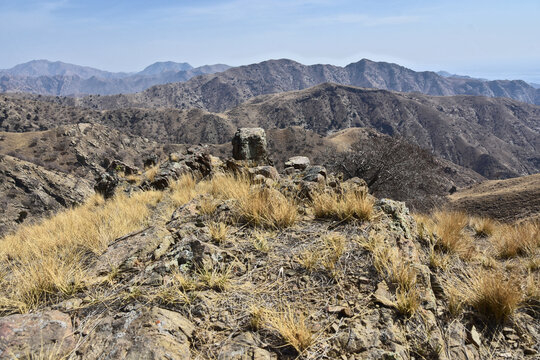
(490, 39)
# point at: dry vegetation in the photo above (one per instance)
(488, 267)
(45, 259)
(347, 206)
(488, 270)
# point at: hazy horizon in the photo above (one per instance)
(485, 39)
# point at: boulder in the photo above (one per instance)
(268, 172)
(120, 166)
(49, 334)
(298, 162)
(196, 161)
(315, 173)
(106, 184)
(250, 144)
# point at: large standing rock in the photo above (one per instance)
(48, 334)
(250, 144)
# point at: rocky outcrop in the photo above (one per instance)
(322, 288)
(141, 333)
(31, 192)
(250, 144)
(23, 336)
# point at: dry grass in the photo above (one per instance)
(491, 294)
(227, 186)
(391, 266)
(484, 226)
(182, 190)
(452, 237)
(351, 205)
(293, 328)
(407, 301)
(309, 259)
(218, 231)
(151, 172)
(213, 278)
(267, 208)
(259, 240)
(517, 240)
(257, 317)
(44, 260)
(207, 206)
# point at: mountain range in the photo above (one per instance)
(62, 79)
(497, 138)
(219, 87)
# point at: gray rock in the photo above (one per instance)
(153, 333)
(315, 173)
(244, 347)
(250, 144)
(298, 162)
(47, 334)
(268, 172)
(106, 184)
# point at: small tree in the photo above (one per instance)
(392, 167)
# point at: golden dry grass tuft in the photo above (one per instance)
(452, 237)
(44, 260)
(227, 186)
(309, 259)
(182, 190)
(293, 327)
(151, 172)
(347, 206)
(491, 294)
(484, 226)
(517, 240)
(218, 279)
(218, 231)
(267, 207)
(259, 239)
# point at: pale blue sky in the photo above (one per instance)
(491, 39)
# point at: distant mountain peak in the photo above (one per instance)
(164, 66)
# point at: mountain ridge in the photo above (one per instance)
(62, 79)
(496, 137)
(218, 87)
(221, 91)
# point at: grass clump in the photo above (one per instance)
(267, 207)
(452, 237)
(293, 328)
(347, 206)
(182, 190)
(214, 278)
(151, 172)
(218, 231)
(227, 186)
(517, 240)
(491, 294)
(484, 226)
(259, 240)
(44, 260)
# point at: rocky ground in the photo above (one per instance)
(233, 260)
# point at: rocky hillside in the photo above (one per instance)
(494, 137)
(497, 138)
(265, 266)
(505, 200)
(221, 91)
(57, 78)
(30, 192)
